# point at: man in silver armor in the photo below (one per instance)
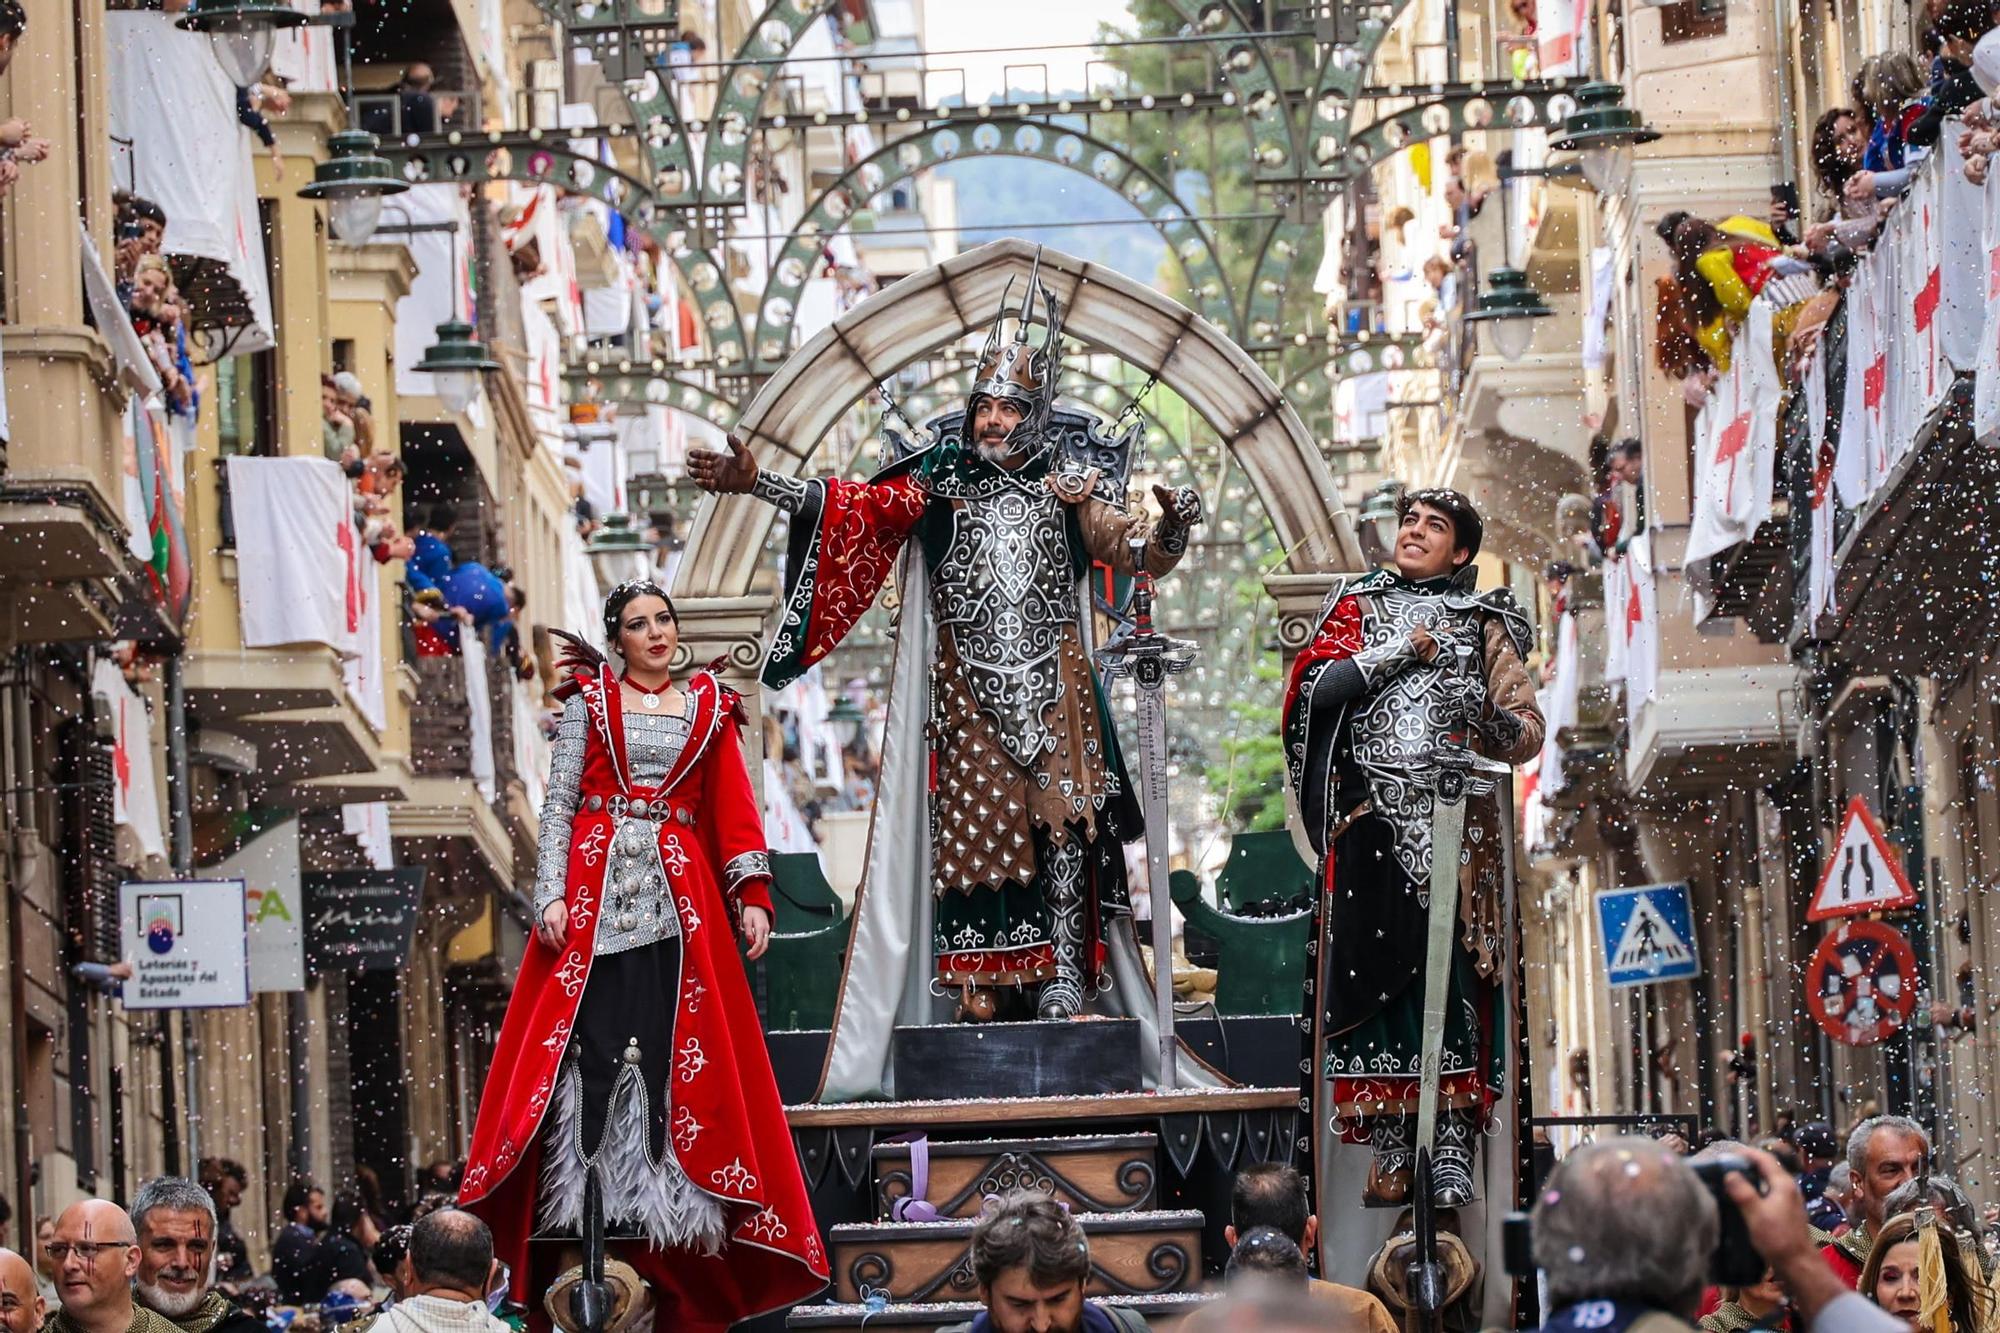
(1029, 802)
(1406, 664)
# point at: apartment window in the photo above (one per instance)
(1691, 20)
(246, 406)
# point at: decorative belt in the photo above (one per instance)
(661, 810)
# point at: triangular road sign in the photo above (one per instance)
(1648, 943)
(1865, 873)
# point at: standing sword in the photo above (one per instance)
(1149, 657)
(1456, 772)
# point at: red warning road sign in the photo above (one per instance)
(1864, 874)
(1861, 984)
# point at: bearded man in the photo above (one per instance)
(1030, 804)
(175, 1222)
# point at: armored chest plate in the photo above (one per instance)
(1403, 720)
(1004, 592)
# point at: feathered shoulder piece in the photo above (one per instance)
(577, 662)
(729, 700)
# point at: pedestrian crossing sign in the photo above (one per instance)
(1865, 873)
(1648, 935)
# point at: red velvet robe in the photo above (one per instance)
(728, 1126)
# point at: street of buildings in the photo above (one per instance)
(295, 484)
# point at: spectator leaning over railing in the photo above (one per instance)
(13, 22)
(18, 143)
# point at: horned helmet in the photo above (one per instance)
(1018, 371)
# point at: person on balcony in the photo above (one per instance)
(631, 1069)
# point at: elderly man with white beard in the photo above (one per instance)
(175, 1222)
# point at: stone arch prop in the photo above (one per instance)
(1103, 310)
(1108, 164)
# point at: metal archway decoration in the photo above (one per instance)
(1108, 164)
(1245, 64)
(533, 157)
(631, 384)
(1103, 310)
(1453, 110)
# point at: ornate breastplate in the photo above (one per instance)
(1400, 722)
(1004, 592)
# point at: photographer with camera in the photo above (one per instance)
(1623, 1233)
(1628, 1235)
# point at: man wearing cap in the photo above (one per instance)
(1818, 1150)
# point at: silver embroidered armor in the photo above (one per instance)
(1410, 708)
(1005, 592)
(638, 907)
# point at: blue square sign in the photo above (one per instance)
(1648, 935)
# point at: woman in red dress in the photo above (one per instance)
(631, 1081)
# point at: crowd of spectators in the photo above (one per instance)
(168, 1265)
(1864, 157)
(449, 596)
(146, 285)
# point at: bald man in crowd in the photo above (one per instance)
(21, 1305)
(96, 1253)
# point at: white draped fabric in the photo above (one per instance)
(478, 709)
(170, 99)
(1736, 445)
(296, 552)
(135, 796)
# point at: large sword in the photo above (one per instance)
(1149, 657)
(1454, 772)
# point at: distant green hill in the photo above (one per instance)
(1019, 190)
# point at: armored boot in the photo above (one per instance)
(1451, 1160)
(1393, 1138)
(1062, 994)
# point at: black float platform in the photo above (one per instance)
(1078, 1058)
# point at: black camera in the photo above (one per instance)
(1735, 1262)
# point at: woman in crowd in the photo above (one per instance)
(631, 1069)
(1918, 1271)
(1761, 1306)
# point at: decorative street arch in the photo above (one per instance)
(1108, 164)
(1105, 311)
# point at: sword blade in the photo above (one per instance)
(1447, 836)
(1153, 771)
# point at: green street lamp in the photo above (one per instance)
(1603, 131)
(846, 720)
(458, 359)
(1378, 520)
(612, 547)
(1508, 310)
(241, 31)
(353, 182)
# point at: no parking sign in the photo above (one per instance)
(1861, 984)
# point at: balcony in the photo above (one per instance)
(284, 678)
(1873, 543)
(464, 774)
